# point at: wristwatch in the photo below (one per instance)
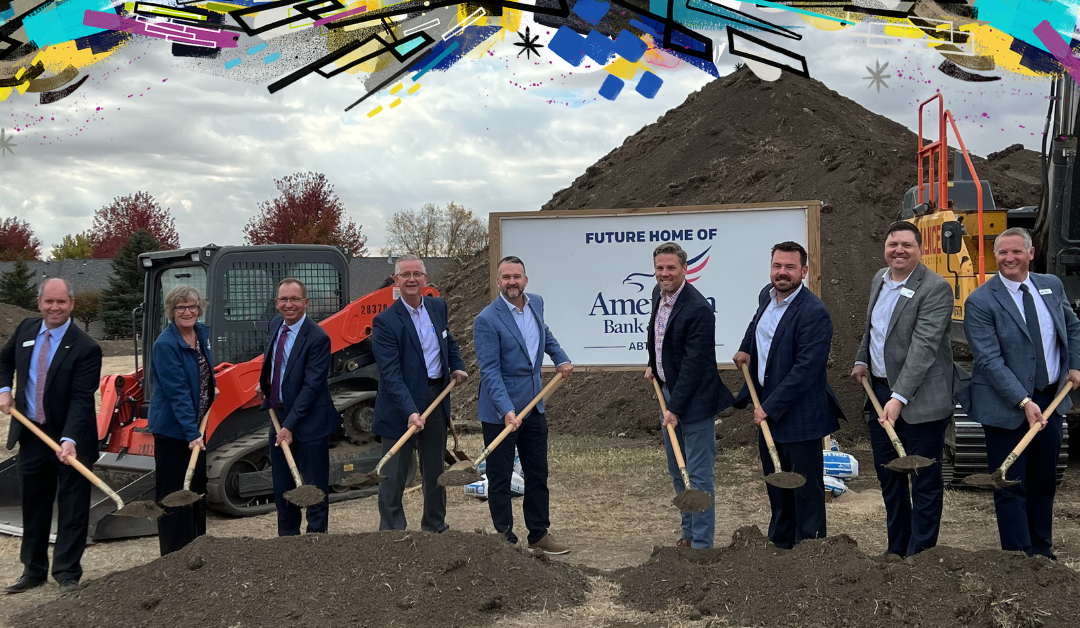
(1024, 402)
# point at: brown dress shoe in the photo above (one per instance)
(549, 546)
(683, 543)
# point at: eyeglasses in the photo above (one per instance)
(284, 300)
(412, 275)
(180, 309)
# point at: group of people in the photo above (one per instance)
(1023, 335)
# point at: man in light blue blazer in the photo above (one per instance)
(1025, 339)
(510, 339)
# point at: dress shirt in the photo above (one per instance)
(766, 327)
(55, 336)
(879, 326)
(290, 340)
(429, 339)
(663, 313)
(1046, 324)
(529, 326)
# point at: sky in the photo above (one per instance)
(497, 134)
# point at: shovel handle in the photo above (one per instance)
(190, 473)
(1033, 430)
(544, 394)
(412, 428)
(675, 449)
(765, 431)
(72, 460)
(288, 452)
(880, 411)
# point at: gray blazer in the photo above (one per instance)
(1004, 371)
(918, 353)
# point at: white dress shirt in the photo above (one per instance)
(766, 328)
(429, 339)
(529, 326)
(879, 326)
(1046, 324)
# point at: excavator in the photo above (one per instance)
(239, 283)
(959, 220)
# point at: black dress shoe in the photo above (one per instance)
(69, 586)
(24, 583)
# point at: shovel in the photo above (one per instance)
(303, 495)
(905, 463)
(465, 472)
(374, 477)
(454, 455)
(146, 509)
(778, 478)
(691, 499)
(185, 496)
(997, 479)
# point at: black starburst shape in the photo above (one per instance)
(528, 44)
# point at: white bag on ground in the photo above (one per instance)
(841, 465)
(479, 488)
(835, 486)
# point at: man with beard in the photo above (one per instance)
(786, 348)
(907, 355)
(511, 339)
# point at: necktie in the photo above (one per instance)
(1031, 317)
(39, 381)
(279, 358)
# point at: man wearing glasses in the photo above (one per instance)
(417, 356)
(294, 382)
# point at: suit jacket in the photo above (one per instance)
(403, 379)
(918, 352)
(1004, 354)
(176, 390)
(796, 397)
(71, 382)
(305, 393)
(508, 381)
(689, 357)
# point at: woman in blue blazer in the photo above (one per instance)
(183, 389)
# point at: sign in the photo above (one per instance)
(594, 269)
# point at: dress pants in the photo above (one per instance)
(431, 445)
(913, 516)
(800, 513)
(43, 479)
(178, 526)
(531, 442)
(313, 462)
(698, 443)
(1025, 510)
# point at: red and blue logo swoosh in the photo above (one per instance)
(694, 268)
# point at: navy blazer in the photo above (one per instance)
(1004, 354)
(174, 400)
(305, 392)
(689, 357)
(508, 379)
(403, 379)
(796, 396)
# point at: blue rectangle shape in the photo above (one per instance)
(57, 23)
(629, 46)
(649, 84)
(598, 47)
(439, 57)
(611, 87)
(568, 45)
(406, 47)
(272, 57)
(255, 49)
(232, 63)
(591, 11)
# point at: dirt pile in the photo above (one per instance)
(375, 579)
(831, 583)
(741, 140)
(10, 317)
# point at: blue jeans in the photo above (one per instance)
(698, 443)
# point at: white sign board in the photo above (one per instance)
(594, 269)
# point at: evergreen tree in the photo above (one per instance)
(125, 291)
(16, 288)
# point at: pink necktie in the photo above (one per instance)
(42, 375)
(279, 357)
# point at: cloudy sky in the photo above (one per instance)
(480, 134)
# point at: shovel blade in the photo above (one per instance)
(147, 509)
(994, 480)
(910, 464)
(180, 498)
(459, 476)
(785, 479)
(370, 478)
(305, 495)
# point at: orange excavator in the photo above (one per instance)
(239, 284)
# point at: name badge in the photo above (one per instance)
(905, 292)
(444, 333)
(1046, 291)
(28, 343)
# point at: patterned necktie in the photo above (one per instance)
(39, 381)
(1031, 317)
(279, 357)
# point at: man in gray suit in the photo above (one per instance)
(907, 355)
(1025, 339)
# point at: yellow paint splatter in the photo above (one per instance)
(395, 103)
(395, 89)
(371, 114)
(412, 90)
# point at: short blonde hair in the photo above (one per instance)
(180, 294)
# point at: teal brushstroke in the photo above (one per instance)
(1020, 17)
(255, 49)
(272, 58)
(434, 62)
(62, 22)
(232, 63)
(409, 46)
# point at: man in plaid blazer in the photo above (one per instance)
(681, 343)
(786, 347)
(907, 355)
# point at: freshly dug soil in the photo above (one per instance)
(305, 495)
(10, 317)
(380, 579)
(831, 583)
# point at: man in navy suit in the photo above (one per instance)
(1025, 340)
(682, 353)
(294, 382)
(511, 339)
(786, 347)
(417, 355)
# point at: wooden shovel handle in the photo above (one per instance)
(897, 445)
(412, 428)
(72, 460)
(288, 452)
(765, 431)
(544, 394)
(1033, 430)
(190, 473)
(675, 449)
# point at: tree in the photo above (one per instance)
(16, 288)
(87, 307)
(125, 291)
(451, 231)
(307, 211)
(78, 246)
(17, 241)
(115, 223)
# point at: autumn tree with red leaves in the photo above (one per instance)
(307, 211)
(17, 241)
(115, 223)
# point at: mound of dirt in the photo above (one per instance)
(830, 582)
(377, 579)
(10, 317)
(741, 140)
